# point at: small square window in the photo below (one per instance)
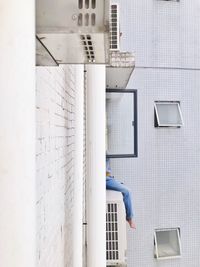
(168, 114)
(167, 243)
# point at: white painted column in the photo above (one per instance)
(96, 192)
(17, 134)
(78, 172)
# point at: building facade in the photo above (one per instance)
(164, 177)
(53, 143)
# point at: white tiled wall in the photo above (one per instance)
(165, 177)
(161, 33)
(55, 98)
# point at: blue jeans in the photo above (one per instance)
(113, 184)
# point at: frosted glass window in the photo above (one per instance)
(168, 114)
(167, 243)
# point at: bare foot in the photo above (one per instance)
(131, 223)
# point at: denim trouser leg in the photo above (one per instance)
(113, 184)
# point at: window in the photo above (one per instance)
(168, 114)
(121, 128)
(167, 243)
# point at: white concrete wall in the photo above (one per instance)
(165, 176)
(17, 134)
(55, 110)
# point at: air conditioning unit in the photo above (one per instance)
(74, 31)
(114, 27)
(116, 242)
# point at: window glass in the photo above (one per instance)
(121, 123)
(167, 243)
(168, 114)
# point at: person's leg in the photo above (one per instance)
(113, 184)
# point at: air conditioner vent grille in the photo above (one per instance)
(80, 19)
(112, 246)
(80, 4)
(114, 27)
(93, 4)
(86, 4)
(86, 19)
(88, 47)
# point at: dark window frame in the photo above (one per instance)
(135, 123)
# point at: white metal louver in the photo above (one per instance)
(116, 243)
(74, 31)
(114, 27)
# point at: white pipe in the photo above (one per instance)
(96, 193)
(78, 171)
(17, 134)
